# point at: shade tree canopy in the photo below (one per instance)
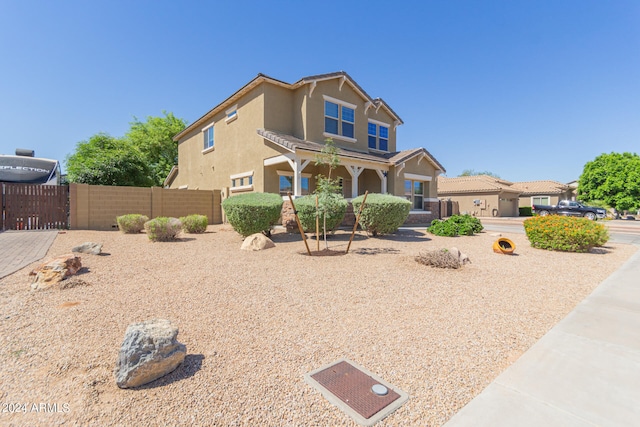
(143, 157)
(613, 178)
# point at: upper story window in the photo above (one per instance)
(378, 136)
(208, 137)
(232, 114)
(339, 119)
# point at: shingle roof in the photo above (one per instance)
(473, 184)
(292, 144)
(540, 187)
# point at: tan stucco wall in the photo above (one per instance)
(314, 115)
(396, 183)
(525, 201)
(466, 204)
(95, 207)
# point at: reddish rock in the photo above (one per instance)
(54, 271)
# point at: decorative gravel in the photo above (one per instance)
(255, 322)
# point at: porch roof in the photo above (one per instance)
(291, 143)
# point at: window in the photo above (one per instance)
(414, 192)
(378, 136)
(242, 181)
(286, 183)
(232, 114)
(540, 200)
(339, 119)
(208, 138)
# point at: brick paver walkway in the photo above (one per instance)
(20, 248)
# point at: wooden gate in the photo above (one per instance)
(34, 207)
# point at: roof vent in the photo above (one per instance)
(24, 152)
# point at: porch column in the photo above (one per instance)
(297, 174)
(383, 180)
(355, 172)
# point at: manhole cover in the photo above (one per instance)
(359, 393)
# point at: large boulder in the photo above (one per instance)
(88, 248)
(150, 350)
(54, 271)
(257, 242)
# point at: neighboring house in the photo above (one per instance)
(543, 192)
(480, 195)
(266, 136)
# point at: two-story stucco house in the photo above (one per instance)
(266, 136)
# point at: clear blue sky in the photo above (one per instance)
(525, 89)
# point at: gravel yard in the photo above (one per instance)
(255, 322)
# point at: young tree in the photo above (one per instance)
(105, 160)
(327, 188)
(154, 139)
(613, 178)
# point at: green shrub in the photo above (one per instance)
(439, 258)
(563, 233)
(131, 223)
(382, 213)
(194, 223)
(252, 213)
(306, 207)
(526, 211)
(456, 225)
(163, 229)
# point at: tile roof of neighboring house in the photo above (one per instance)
(261, 78)
(531, 188)
(474, 184)
(292, 143)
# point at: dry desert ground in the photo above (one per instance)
(255, 322)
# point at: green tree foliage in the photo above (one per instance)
(327, 188)
(613, 178)
(471, 172)
(105, 160)
(154, 140)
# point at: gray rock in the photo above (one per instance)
(257, 242)
(88, 248)
(462, 257)
(150, 350)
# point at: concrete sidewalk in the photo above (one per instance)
(583, 372)
(20, 248)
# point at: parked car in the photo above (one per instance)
(570, 208)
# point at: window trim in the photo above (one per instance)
(540, 197)
(242, 175)
(425, 186)
(290, 173)
(378, 123)
(340, 104)
(231, 114)
(213, 140)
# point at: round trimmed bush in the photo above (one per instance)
(131, 223)
(306, 207)
(195, 224)
(564, 233)
(382, 213)
(252, 213)
(163, 229)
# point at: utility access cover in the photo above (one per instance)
(362, 395)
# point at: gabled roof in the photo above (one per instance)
(263, 78)
(292, 144)
(529, 188)
(474, 184)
